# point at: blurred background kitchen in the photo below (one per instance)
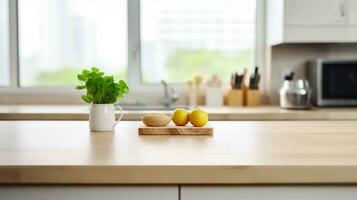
(239, 53)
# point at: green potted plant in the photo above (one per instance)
(101, 92)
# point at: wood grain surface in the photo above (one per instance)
(171, 129)
(65, 152)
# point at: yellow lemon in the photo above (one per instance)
(198, 117)
(180, 117)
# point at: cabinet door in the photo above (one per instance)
(269, 192)
(352, 12)
(88, 193)
(315, 12)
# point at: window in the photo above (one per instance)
(4, 45)
(53, 40)
(186, 37)
(58, 38)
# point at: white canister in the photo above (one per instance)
(102, 117)
(214, 96)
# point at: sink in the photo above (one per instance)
(154, 107)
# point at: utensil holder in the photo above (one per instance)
(253, 98)
(235, 97)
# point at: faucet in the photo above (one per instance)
(171, 95)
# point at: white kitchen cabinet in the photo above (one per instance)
(351, 6)
(311, 21)
(89, 192)
(269, 192)
(318, 12)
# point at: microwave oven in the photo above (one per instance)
(333, 82)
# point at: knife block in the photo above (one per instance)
(235, 97)
(253, 98)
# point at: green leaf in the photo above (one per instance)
(80, 87)
(85, 73)
(126, 90)
(122, 83)
(87, 98)
(81, 77)
(95, 70)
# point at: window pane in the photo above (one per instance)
(4, 45)
(186, 37)
(60, 37)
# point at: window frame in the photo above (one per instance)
(134, 64)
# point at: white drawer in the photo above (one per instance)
(88, 192)
(269, 192)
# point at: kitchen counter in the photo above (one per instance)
(275, 152)
(80, 112)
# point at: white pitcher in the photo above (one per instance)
(102, 117)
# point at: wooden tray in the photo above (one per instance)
(175, 130)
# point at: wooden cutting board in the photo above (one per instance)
(172, 129)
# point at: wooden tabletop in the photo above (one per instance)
(65, 152)
(80, 112)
